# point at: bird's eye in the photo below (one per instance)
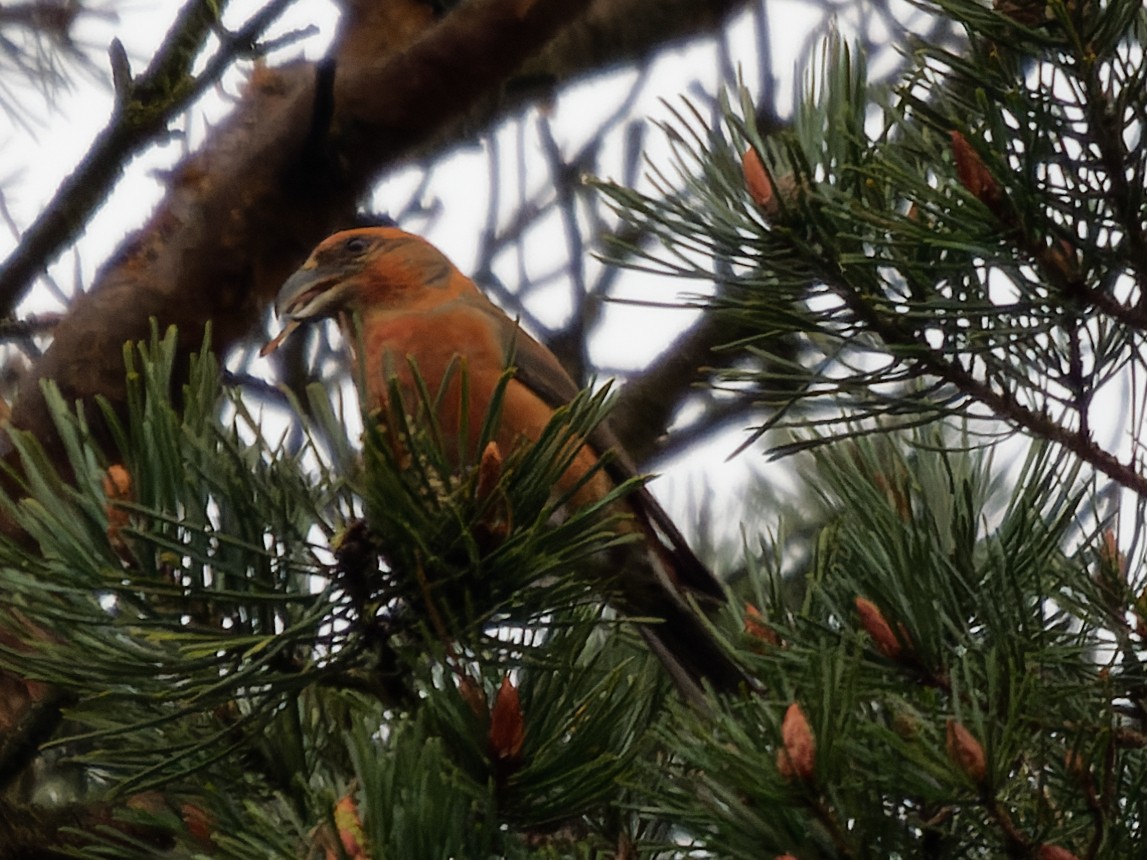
(355, 245)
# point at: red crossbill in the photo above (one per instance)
(410, 302)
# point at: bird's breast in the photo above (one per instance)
(440, 346)
(443, 345)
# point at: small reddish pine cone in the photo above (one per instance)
(507, 725)
(496, 519)
(754, 623)
(117, 488)
(766, 193)
(1113, 561)
(473, 694)
(796, 759)
(197, 822)
(966, 752)
(896, 493)
(151, 802)
(878, 628)
(1048, 851)
(906, 723)
(489, 471)
(757, 180)
(348, 824)
(975, 176)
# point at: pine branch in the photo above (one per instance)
(841, 246)
(200, 638)
(1002, 405)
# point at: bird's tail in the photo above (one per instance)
(675, 587)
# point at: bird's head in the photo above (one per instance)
(354, 271)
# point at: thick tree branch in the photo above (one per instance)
(288, 168)
(241, 213)
(646, 405)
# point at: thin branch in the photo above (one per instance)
(142, 112)
(1002, 404)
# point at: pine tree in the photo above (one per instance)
(251, 644)
(953, 267)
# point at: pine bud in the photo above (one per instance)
(975, 176)
(757, 181)
(905, 722)
(473, 694)
(117, 488)
(896, 494)
(1048, 851)
(150, 802)
(489, 471)
(796, 760)
(197, 823)
(766, 193)
(878, 629)
(349, 826)
(754, 624)
(1113, 562)
(496, 518)
(507, 726)
(966, 753)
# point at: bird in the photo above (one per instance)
(397, 297)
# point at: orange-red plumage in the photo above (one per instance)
(412, 303)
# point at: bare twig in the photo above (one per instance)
(142, 112)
